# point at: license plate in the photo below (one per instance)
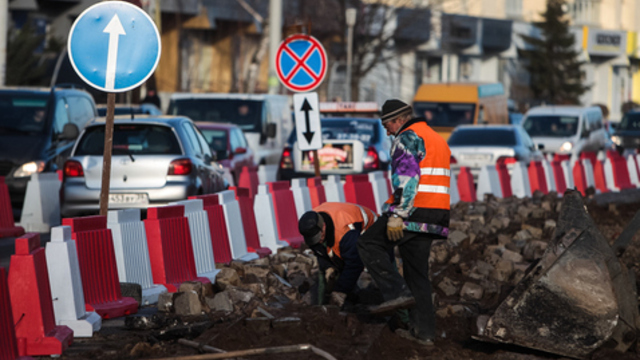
(476, 157)
(128, 199)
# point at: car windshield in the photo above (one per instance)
(247, 114)
(482, 137)
(445, 114)
(135, 139)
(23, 112)
(630, 122)
(551, 125)
(217, 140)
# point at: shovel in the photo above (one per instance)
(578, 298)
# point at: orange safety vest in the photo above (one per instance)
(344, 215)
(432, 200)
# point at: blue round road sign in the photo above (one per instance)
(301, 63)
(114, 46)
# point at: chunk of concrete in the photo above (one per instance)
(187, 303)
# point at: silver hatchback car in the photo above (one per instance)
(156, 160)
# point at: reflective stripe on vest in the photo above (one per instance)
(435, 189)
(435, 171)
(367, 222)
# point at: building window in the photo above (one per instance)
(513, 9)
(584, 12)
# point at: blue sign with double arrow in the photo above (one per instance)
(114, 46)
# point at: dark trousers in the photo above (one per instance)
(374, 248)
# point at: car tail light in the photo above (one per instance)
(73, 168)
(180, 167)
(506, 160)
(372, 161)
(286, 161)
(453, 160)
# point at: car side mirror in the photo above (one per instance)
(240, 150)
(540, 146)
(69, 132)
(585, 133)
(271, 130)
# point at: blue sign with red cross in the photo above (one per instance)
(301, 63)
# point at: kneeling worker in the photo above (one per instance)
(332, 230)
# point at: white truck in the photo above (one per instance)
(264, 119)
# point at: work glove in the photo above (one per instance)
(330, 273)
(395, 225)
(337, 298)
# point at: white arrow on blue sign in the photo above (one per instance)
(114, 46)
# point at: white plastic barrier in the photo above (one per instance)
(588, 173)
(454, 195)
(227, 176)
(632, 166)
(568, 174)
(379, 186)
(41, 209)
(267, 173)
(548, 175)
(488, 182)
(66, 285)
(520, 185)
(333, 189)
(266, 219)
(200, 238)
(132, 253)
(301, 196)
(235, 228)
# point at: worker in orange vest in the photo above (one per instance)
(331, 231)
(415, 215)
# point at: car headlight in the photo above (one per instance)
(567, 146)
(29, 169)
(616, 140)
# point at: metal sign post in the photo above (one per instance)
(114, 46)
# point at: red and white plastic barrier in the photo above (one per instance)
(98, 268)
(549, 176)
(316, 191)
(251, 234)
(301, 196)
(200, 238)
(267, 173)
(218, 228)
(66, 285)
(537, 177)
(358, 190)
(380, 190)
(8, 343)
(634, 169)
(31, 302)
(617, 170)
(266, 219)
(488, 182)
(132, 252)
(454, 196)
(233, 221)
(333, 188)
(466, 187)
(7, 226)
(285, 213)
(248, 179)
(170, 248)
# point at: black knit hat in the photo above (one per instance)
(310, 225)
(394, 108)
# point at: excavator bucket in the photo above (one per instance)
(578, 298)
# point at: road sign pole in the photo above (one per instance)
(316, 163)
(106, 158)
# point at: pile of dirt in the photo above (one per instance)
(269, 302)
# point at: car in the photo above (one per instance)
(229, 145)
(566, 130)
(350, 146)
(475, 146)
(627, 134)
(38, 128)
(156, 160)
(120, 109)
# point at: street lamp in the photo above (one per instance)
(350, 15)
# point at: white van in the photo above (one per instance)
(566, 129)
(264, 119)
